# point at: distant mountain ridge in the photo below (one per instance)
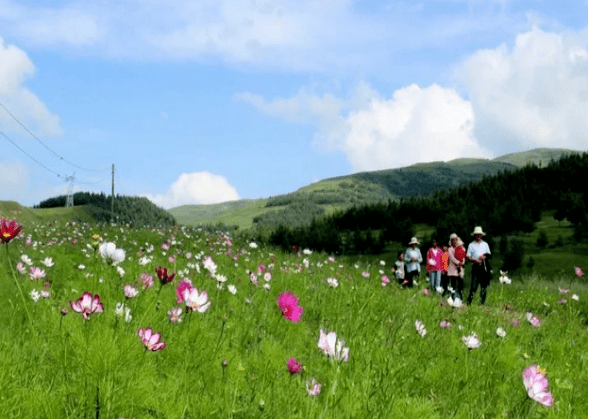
(342, 192)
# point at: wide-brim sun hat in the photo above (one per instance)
(478, 230)
(413, 241)
(452, 236)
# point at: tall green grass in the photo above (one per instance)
(230, 362)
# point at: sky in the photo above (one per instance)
(201, 102)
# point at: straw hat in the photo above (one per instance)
(413, 241)
(478, 230)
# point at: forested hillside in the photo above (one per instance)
(511, 201)
(135, 211)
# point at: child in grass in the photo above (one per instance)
(445, 263)
(400, 268)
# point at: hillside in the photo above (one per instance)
(339, 193)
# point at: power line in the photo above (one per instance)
(47, 147)
(28, 155)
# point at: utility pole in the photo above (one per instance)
(112, 200)
(69, 202)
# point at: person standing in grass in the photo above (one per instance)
(413, 260)
(478, 253)
(445, 265)
(456, 255)
(434, 266)
(400, 268)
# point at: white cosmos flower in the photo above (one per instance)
(26, 260)
(501, 332)
(110, 253)
(47, 262)
(332, 346)
(332, 282)
(35, 295)
(471, 341)
(232, 289)
(455, 302)
(420, 327)
(575, 297)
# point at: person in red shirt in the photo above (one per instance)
(456, 256)
(445, 266)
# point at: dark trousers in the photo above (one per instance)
(457, 284)
(409, 278)
(444, 282)
(479, 277)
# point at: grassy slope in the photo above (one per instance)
(25, 215)
(384, 183)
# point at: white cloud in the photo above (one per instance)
(415, 125)
(194, 189)
(533, 95)
(15, 69)
(15, 181)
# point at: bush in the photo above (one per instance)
(514, 255)
(542, 239)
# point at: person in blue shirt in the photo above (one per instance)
(478, 253)
(413, 260)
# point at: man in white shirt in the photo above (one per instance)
(478, 251)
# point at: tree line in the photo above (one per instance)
(506, 203)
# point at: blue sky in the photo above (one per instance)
(198, 102)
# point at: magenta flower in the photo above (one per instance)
(185, 284)
(385, 280)
(293, 366)
(578, 271)
(87, 304)
(152, 341)
(288, 304)
(536, 385)
(9, 230)
(147, 280)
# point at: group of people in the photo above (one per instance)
(445, 265)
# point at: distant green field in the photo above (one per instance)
(13, 210)
(239, 213)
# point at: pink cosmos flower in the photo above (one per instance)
(293, 366)
(195, 301)
(130, 291)
(21, 268)
(534, 321)
(183, 285)
(578, 271)
(366, 274)
(288, 304)
(147, 280)
(175, 314)
(536, 385)
(313, 387)
(563, 290)
(87, 304)
(385, 280)
(36, 273)
(152, 341)
(445, 324)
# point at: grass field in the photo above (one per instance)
(230, 361)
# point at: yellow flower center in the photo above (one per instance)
(6, 234)
(540, 370)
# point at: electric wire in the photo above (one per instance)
(29, 156)
(47, 147)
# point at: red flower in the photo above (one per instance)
(162, 274)
(293, 366)
(9, 230)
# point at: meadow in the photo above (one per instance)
(232, 351)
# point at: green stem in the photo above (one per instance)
(18, 286)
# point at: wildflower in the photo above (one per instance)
(420, 327)
(578, 271)
(195, 301)
(332, 282)
(384, 280)
(183, 285)
(147, 280)
(26, 260)
(9, 230)
(35, 295)
(536, 385)
(232, 289)
(36, 273)
(21, 268)
(471, 341)
(501, 332)
(175, 314)
(130, 291)
(332, 346)
(288, 304)
(366, 274)
(267, 286)
(503, 279)
(220, 278)
(425, 292)
(534, 321)
(562, 301)
(515, 323)
(164, 277)
(575, 297)
(152, 341)
(313, 387)
(81, 267)
(47, 262)
(110, 253)
(253, 245)
(439, 290)
(455, 302)
(445, 324)
(121, 271)
(293, 366)
(267, 276)
(563, 291)
(45, 294)
(87, 304)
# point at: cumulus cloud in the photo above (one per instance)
(532, 95)
(415, 125)
(15, 181)
(195, 189)
(15, 69)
